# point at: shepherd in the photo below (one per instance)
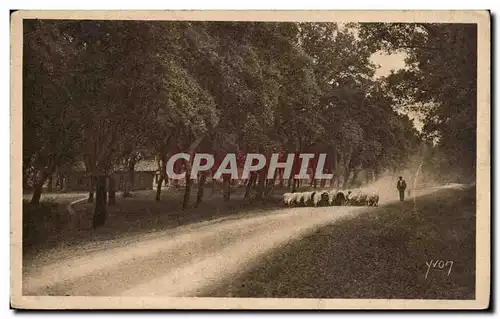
(401, 186)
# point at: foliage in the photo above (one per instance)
(439, 81)
(50, 122)
(125, 88)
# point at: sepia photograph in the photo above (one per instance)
(250, 159)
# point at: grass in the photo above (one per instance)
(379, 254)
(35, 218)
(49, 216)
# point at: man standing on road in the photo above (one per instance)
(401, 186)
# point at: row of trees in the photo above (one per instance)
(102, 92)
(439, 82)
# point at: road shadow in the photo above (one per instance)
(382, 253)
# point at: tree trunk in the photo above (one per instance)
(355, 177)
(49, 183)
(58, 182)
(369, 176)
(106, 185)
(187, 189)
(250, 184)
(201, 186)
(270, 184)
(337, 168)
(294, 185)
(92, 183)
(162, 167)
(126, 188)
(282, 182)
(213, 183)
(226, 183)
(100, 212)
(376, 172)
(112, 190)
(37, 194)
(130, 179)
(323, 183)
(158, 187)
(262, 184)
(347, 174)
(34, 179)
(331, 169)
(64, 184)
(189, 182)
(313, 182)
(37, 187)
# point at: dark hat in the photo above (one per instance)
(400, 176)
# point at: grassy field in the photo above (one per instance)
(380, 254)
(51, 216)
(53, 227)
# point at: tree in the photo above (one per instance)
(186, 114)
(118, 88)
(50, 126)
(439, 82)
(181, 86)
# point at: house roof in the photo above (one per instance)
(145, 165)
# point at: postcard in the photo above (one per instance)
(250, 160)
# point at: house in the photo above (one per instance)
(144, 175)
(145, 170)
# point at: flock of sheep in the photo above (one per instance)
(355, 197)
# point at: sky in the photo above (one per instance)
(388, 62)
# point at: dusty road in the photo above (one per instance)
(180, 262)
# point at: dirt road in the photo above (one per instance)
(180, 262)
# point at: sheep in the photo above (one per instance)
(324, 198)
(355, 197)
(360, 197)
(372, 199)
(299, 198)
(331, 196)
(340, 199)
(308, 198)
(289, 199)
(316, 199)
(320, 198)
(336, 198)
(305, 198)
